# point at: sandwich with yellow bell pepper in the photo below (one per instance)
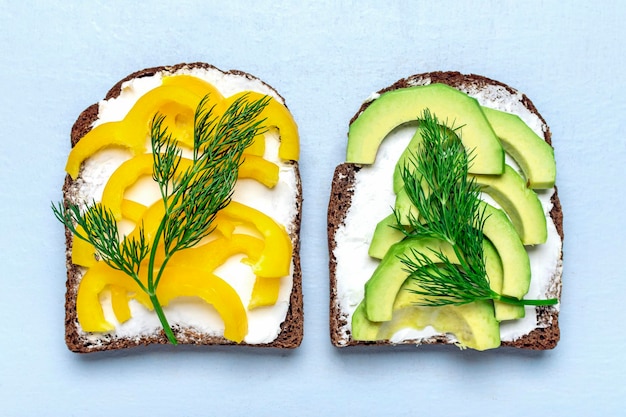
(181, 208)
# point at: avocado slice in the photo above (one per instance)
(411, 149)
(514, 258)
(533, 154)
(403, 105)
(515, 278)
(404, 207)
(521, 204)
(385, 235)
(363, 329)
(499, 230)
(473, 324)
(381, 289)
(509, 190)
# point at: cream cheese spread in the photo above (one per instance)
(373, 199)
(278, 203)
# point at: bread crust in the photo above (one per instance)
(545, 336)
(292, 328)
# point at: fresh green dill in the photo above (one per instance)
(191, 198)
(448, 204)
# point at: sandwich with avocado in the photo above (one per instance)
(444, 223)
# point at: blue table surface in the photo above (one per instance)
(325, 58)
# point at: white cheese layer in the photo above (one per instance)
(278, 203)
(373, 199)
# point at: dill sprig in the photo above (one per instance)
(191, 198)
(448, 204)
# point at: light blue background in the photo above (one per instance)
(325, 58)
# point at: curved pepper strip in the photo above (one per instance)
(83, 252)
(88, 308)
(175, 282)
(178, 104)
(191, 282)
(215, 253)
(275, 115)
(192, 83)
(153, 215)
(203, 88)
(119, 303)
(127, 174)
(132, 210)
(275, 261)
(264, 293)
(259, 169)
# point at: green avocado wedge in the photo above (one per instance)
(411, 149)
(405, 208)
(520, 203)
(474, 325)
(383, 287)
(364, 329)
(509, 190)
(396, 107)
(385, 235)
(533, 154)
(515, 277)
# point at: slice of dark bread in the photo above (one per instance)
(490, 93)
(291, 329)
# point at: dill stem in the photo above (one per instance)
(153, 283)
(161, 315)
(526, 302)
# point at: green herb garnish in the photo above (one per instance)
(448, 204)
(191, 198)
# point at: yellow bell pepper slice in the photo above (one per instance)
(178, 103)
(127, 174)
(275, 115)
(275, 261)
(153, 215)
(83, 252)
(199, 85)
(190, 282)
(175, 282)
(194, 84)
(123, 177)
(264, 293)
(132, 210)
(119, 303)
(259, 169)
(88, 308)
(215, 253)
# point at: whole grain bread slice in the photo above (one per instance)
(546, 333)
(291, 329)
